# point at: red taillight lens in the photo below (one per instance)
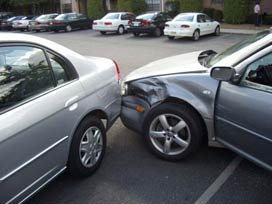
(145, 23)
(185, 26)
(129, 22)
(56, 22)
(38, 23)
(108, 23)
(94, 23)
(19, 23)
(117, 70)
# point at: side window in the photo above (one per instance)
(201, 19)
(24, 72)
(259, 74)
(81, 17)
(124, 17)
(208, 19)
(159, 17)
(58, 66)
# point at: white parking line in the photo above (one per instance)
(221, 179)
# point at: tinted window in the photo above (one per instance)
(61, 17)
(146, 16)
(124, 17)
(259, 74)
(58, 66)
(201, 19)
(24, 73)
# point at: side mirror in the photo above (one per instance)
(223, 73)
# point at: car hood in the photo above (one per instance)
(184, 63)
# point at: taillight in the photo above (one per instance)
(94, 23)
(108, 23)
(38, 23)
(56, 22)
(129, 22)
(185, 26)
(117, 70)
(19, 23)
(145, 23)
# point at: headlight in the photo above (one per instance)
(124, 88)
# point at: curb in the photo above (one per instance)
(240, 31)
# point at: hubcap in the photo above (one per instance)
(196, 35)
(68, 28)
(121, 30)
(169, 134)
(91, 146)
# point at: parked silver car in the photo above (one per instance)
(52, 104)
(224, 98)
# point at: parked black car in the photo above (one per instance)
(152, 23)
(5, 16)
(7, 23)
(70, 21)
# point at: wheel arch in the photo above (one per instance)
(183, 102)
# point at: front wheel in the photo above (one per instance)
(103, 32)
(172, 131)
(87, 148)
(157, 32)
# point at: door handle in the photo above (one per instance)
(71, 101)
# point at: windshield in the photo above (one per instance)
(184, 17)
(111, 16)
(146, 16)
(254, 38)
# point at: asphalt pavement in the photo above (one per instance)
(129, 173)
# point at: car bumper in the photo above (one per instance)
(178, 33)
(38, 27)
(104, 28)
(141, 29)
(19, 27)
(130, 117)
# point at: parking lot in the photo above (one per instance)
(129, 173)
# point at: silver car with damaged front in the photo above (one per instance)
(178, 102)
(55, 109)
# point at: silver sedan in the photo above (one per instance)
(55, 108)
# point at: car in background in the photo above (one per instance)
(23, 24)
(7, 24)
(39, 141)
(114, 22)
(191, 25)
(151, 23)
(5, 16)
(225, 99)
(41, 23)
(69, 22)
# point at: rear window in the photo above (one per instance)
(61, 17)
(184, 17)
(149, 16)
(111, 16)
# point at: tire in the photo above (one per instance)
(87, 152)
(171, 37)
(217, 31)
(196, 35)
(136, 34)
(68, 28)
(37, 31)
(178, 137)
(157, 32)
(120, 30)
(103, 32)
(56, 31)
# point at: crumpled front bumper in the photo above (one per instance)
(133, 112)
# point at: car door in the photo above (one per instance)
(210, 25)
(38, 109)
(201, 24)
(73, 20)
(83, 21)
(243, 111)
(124, 20)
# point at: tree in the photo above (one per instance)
(191, 5)
(235, 11)
(95, 9)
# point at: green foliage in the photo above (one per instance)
(95, 9)
(235, 12)
(214, 13)
(136, 7)
(124, 5)
(191, 5)
(175, 6)
(268, 19)
(27, 2)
